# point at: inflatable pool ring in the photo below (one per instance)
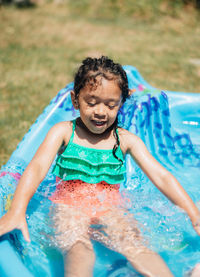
(147, 114)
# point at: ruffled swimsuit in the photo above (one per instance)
(88, 179)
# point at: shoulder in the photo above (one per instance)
(63, 130)
(62, 126)
(129, 141)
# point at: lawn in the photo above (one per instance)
(41, 48)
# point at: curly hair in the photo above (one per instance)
(87, 74)
(91, 68)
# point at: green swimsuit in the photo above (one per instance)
(89, 164)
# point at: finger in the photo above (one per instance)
(197, 229)
(25, 232)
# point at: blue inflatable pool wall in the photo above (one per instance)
(169, 124)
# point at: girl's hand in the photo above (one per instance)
(12, 221)
(196, 225)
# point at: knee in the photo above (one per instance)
(82, 249)
(133, 253)
(79, 261)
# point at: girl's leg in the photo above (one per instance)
(73, 238)
(124, 237)
(79, 261)
(147, 262)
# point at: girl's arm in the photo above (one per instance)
(32, 177)
(162, 178)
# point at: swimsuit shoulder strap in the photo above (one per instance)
(73, 129)
(63, 146)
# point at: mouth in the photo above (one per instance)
(99, 123)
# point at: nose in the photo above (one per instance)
(100, 111)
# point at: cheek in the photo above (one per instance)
(115, 111)
(85, 110)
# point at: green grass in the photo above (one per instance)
(41, 48)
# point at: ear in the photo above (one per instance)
(74, 100)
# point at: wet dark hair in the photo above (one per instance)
(104, 67)
(87, 74)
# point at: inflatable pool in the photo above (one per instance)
(169, 124)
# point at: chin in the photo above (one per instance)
(98, 132)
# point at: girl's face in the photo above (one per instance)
(99, 104)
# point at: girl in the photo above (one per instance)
(89, 169)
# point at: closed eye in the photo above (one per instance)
(111, 106)
(91, 104)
